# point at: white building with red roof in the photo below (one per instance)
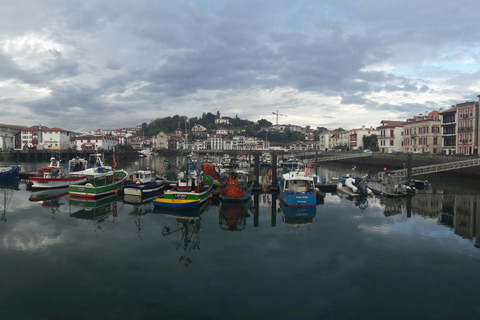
(390, 138)
(56, 139)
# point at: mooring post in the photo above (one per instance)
(257, 208)
(273, 187)
(274, 209)
(409, 168)
(256, 172)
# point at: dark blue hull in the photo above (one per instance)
(10, 172)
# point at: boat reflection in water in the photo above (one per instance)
(233, 215)
(95, 209)
(49, 198)
(185, 230)
(141, 206)
(296, 218)
(7, 188)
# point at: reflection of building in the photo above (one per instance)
(464, 216)
(427, 203)
(393, 206)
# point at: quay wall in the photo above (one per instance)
(397, 161)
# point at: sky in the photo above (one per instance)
(86, 65)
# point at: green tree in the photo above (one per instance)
(264, 123)
(370, 142)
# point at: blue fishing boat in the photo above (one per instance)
(9, 172)
(297, 188)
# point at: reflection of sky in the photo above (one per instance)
(349, 257)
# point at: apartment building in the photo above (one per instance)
(356, 137)
(421, 134)
(448, 120)
(328, 140)
(390, 138)
(467, 124)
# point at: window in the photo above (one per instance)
(435, 141)
(391, 142)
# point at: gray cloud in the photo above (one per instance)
(160, 58)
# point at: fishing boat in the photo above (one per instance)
(182, 197)
(101, 180)
(353, 186)
(8, 172)
(56, 176)
(143, 183)
(297, 188)
(238, 187)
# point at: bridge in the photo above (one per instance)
(434, 168)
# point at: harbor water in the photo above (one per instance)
(347, 258)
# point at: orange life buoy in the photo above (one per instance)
(138, 181)
(109, 178)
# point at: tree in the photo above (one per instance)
(264, 123)
(370, 142)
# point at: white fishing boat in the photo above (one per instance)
(56, 176)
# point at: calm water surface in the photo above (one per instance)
(345, 259)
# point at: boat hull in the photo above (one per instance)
(89, 190)
(143, 190)
(44, 183)
(307, 199)
(175, 203)
(9, 172)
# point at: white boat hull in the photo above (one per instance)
(55, 182)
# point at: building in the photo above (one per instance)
(95, 142)
(356, 137)
(421, 134)
(160, 141)
(214, 142)
(56, 139)
(31, 137)
(467, 124)
(448, 120)
(221, 131)
(222, 121)
(199, 129)
(238, 143)
(329, 140)
(390, 138)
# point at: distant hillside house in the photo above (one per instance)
(175, 142)
(160, 141)
(296, 145)
(221, 131)
(139, 142)
(222, 121)
(56, 139)
(198, 128)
